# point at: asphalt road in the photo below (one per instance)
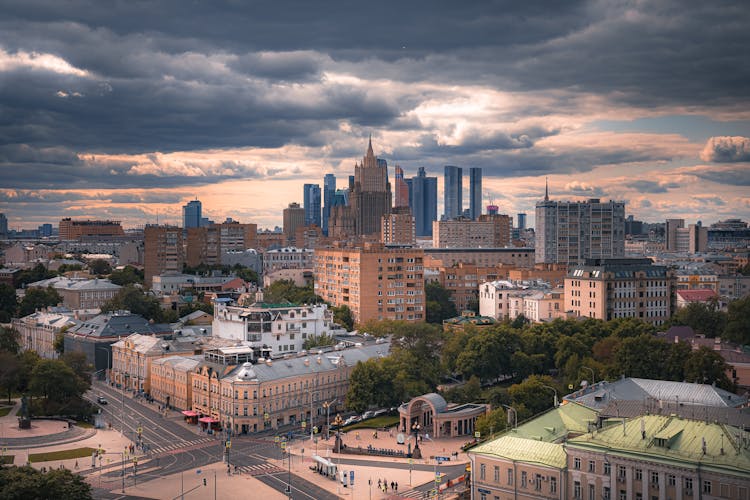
(173, 448)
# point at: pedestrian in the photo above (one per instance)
(385, 486)
(396, 490)
(392, 486)
(380, 485)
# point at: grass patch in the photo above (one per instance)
(7, 459)
(4, 411)
(374, 423)
(61, 455)
(84, 425)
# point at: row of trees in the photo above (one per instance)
(559, 354)
(707, 319)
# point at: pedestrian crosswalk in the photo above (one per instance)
(181, 446)
(260, 469)
(417, 494)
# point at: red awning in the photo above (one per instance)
(189, 413)
(208, 420)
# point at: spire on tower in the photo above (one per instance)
(369, 147)
(546, 189)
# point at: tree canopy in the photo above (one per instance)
(23, 483)
(38, 298)
(438, 303)
(282, 291)
(126, 276)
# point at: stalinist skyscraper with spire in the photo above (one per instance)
(371, 197)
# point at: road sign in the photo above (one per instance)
(276, 439)
(229, 444)
(316, 430)
(477, 434)
(304, 424)
(437, 478)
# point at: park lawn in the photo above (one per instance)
(84, 425)
(5, 410)
(374, 423)
(61, 455)
(7, 459)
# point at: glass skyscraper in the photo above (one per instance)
(452, 192)
(312, 204)
(191, 214)
(423, 202)
(475, 193)
(329, 191)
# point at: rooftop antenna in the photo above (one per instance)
(546, 189)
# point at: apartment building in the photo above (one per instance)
(287, 258)
(171, 380)
(398, 227)
(490, 231)
(376, 281)
(620, 288)
(209, 244)
(508, 299)
(516, 257)
(163, 251)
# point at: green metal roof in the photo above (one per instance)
(556, 424)
(523, 450)
(673, 440)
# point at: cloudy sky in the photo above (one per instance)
(128, 109)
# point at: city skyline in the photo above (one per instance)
(108, 113)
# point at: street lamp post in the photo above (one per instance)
(553, 390)
(515, 415)
(109, 357)
(327, 406)
(593, 376)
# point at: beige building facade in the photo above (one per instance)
(163, 251)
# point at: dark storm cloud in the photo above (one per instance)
(736, 176)
(727, 150)
(170, 76)
(652, 187)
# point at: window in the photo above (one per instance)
(482, 471)
(553, 485)
(607, 495)
(654, 478)
(707, 487)
(592, 466)
(638, 475)
(523, 479)
(577, 489)
(592, 492)
(577, 463)
(623, 495)
(497, 474)
(671, 480)
(621, 472)
(510, 477)
(538, 482)
(689, 485)
(607, 469)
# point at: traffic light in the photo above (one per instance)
(204, 481)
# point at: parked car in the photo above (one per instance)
(368, 414)
(352, 420)
(379, 413)
(102, 400)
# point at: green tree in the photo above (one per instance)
(245, 273)
(469, 392)
(492, 422)
(706, 366)
(533, 395)
(28, 360)
(438, 303)
(10, 369)
(81, 367)
(126, 276)
(8, 302)
(488, 354)
(283, 291)
(65, 268)
(343, 316)
(706, 319)
(59, 343)
(23, 483)
(9, 340)
(738, 322)
(54, 380)
(367, 383)
(133, 299)
(38, 298)
(100, 267)
(642, 357)
(37, 273)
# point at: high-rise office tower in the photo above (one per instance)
(371, 197)
(452, 192)
(311, 197)
(3, 225)
(423, 202)
(475, 193)
(569, 232)
(329, 191)
(401, 188)
(191, 214)
(522, 221)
